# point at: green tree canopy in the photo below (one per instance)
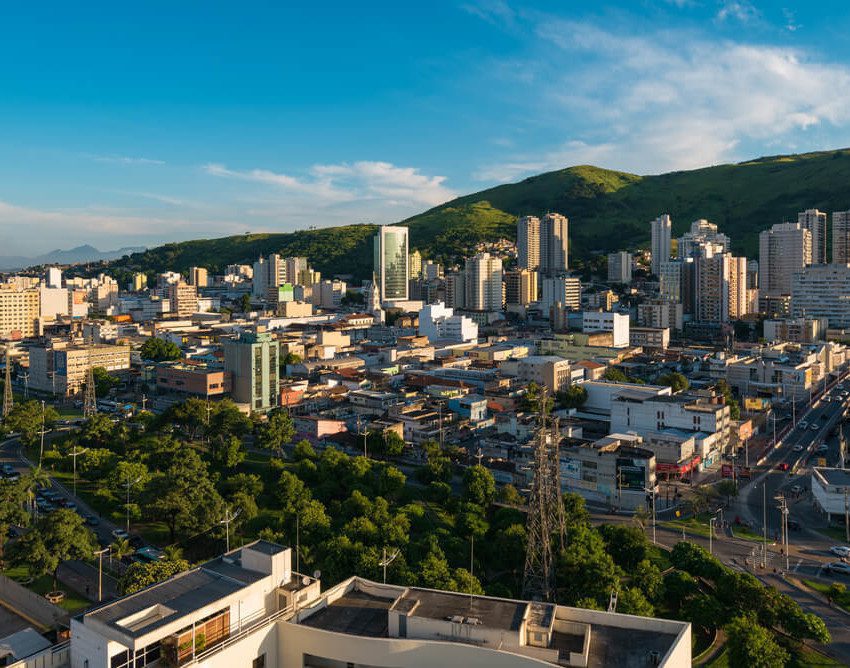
(479, 486)
(675, 380)
(277, 431)
(753, 646)
(26, 419)
(58, 537)
(103, 381)
(159, 350)
(573, 397)
(141, 575)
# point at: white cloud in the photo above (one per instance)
(740, 10)
(380, 182)
(672, 99)
(124, 160)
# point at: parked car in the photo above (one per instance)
(802, 424)
(838, 567)
(783, 466)
(119, 534)
(815, 426)
(840, 551)
(91, 520)
(797, 448)
(8, 469)
(797, 489)
(794, 525)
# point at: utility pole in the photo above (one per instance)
(41, 449)
(386, 561)
(764, 525)
(228, 518)
(144, 401)
(846, 517)
(26, 378)
(783, 510)
(364, 434)
(8, 397)
(89, 397)
(100, 554)
(76, 452)
(710, 534)
(652, 491)
(129, 483)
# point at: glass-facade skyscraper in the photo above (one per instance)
(391, 262)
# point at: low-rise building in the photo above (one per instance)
(796, 330)
(603, 321)
(61, 368)
(194, 379)
(650, 338)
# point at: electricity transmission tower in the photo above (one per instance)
(8, 400)
(89, 398)
(545, 512)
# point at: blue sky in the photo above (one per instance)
(149, 122)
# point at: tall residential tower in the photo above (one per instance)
(391, 258)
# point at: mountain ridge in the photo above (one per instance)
(77, 255)
(608, 210)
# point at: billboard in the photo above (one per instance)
(631, 473)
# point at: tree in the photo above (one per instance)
(127, 472)
(303, 450)
(696, 560)
(13, 497)
(60, 536)
(575, 510)
(141, 575)
(479, 486)
(290, 358)
(292, 491)
(734, 408)
(183, 495)
(531, 400)
(727, 488)
(227, 452)
(509, 495)
(245, 303)
(674, 380)
(573, 397)
(103, 381)
(97, 431)
(631, 601)
(647, 577)
(26, 419)
(836, 591)
(159, 350)
(752, 645)
(276, 432)
(393, 444)
(615, 375)
(121, 548)
(584, 569)
(627, 545)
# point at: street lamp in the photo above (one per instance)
(651, 491)
(100, 554)
(76, 452)
(129, 483)
(711, 534)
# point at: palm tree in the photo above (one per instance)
(172, 553)
(120, 548)
(36, 479)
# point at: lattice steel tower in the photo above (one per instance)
(545, 513)
(89, 398)
(8, 399)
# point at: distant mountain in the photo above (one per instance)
(78, 255)
(608, 210)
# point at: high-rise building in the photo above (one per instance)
(521, 286)
(19, 311)
(662, 230)
(252, 361)
(528, 242)
(784, 249)
(703, 240)
(483, 283)
(620, 267)
(815, 222)
(297, 271)
(268, 273)
(414, 264)
(432, 270)
(721, 288)
(822, 291)
(739, 300)
(554, 244)
(391, 262)
(139, 283)
(199, 277)
(841, 237)
(54, 277)
(456, 289)
(564, 290)
(184, 299)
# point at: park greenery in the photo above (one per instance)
(176, 475)
(160, 350)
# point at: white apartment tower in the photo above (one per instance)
(620, 267)
(703, 239)
(784, 249)
(841, 237)
(662, 230)
(483, 283)
(822, 291)
(815, 222)
(528, 242)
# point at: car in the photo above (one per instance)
(91, 520)
(13, 477)
(802, 424)
(796, 489)
(815, 426)
(840, 551)
(838, 567)
(823, 447)
(797, 448)
(119, 534)
(783, 466)
(8, 469)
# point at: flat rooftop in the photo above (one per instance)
(836, 477)
(625, 648)
(355, 613)
(492, 612)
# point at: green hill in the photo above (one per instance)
(607, 210)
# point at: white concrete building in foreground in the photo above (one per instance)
(249, 609)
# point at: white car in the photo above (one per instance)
(840, 551)
(815, 426)
(119, 534)
(802, 424)
(797, 448)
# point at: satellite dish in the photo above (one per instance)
(305, 580)
(317, 575)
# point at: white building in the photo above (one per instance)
(784, 249)
(54, 277)
(620, 267)
(822, 291)
(830, 490)
(815, 222)
(564, 290)
(662, 231)
(604, 321)
(660, 313)
(53, 303)
(439, 323)
(528, 242)
(483, 284)
(250, 609)
(702, 239)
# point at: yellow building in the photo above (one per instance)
(19, 312)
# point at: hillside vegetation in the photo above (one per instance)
(607, 210)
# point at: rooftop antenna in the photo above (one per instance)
(387, 560)
(228, 518)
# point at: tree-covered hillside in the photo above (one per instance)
(607, 210)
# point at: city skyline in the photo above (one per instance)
(138, 130)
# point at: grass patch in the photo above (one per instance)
(719, 661)
(73, 602)
(804, 656)
(842, 601)
(694, 525)
(837, 533)
(746, 533)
